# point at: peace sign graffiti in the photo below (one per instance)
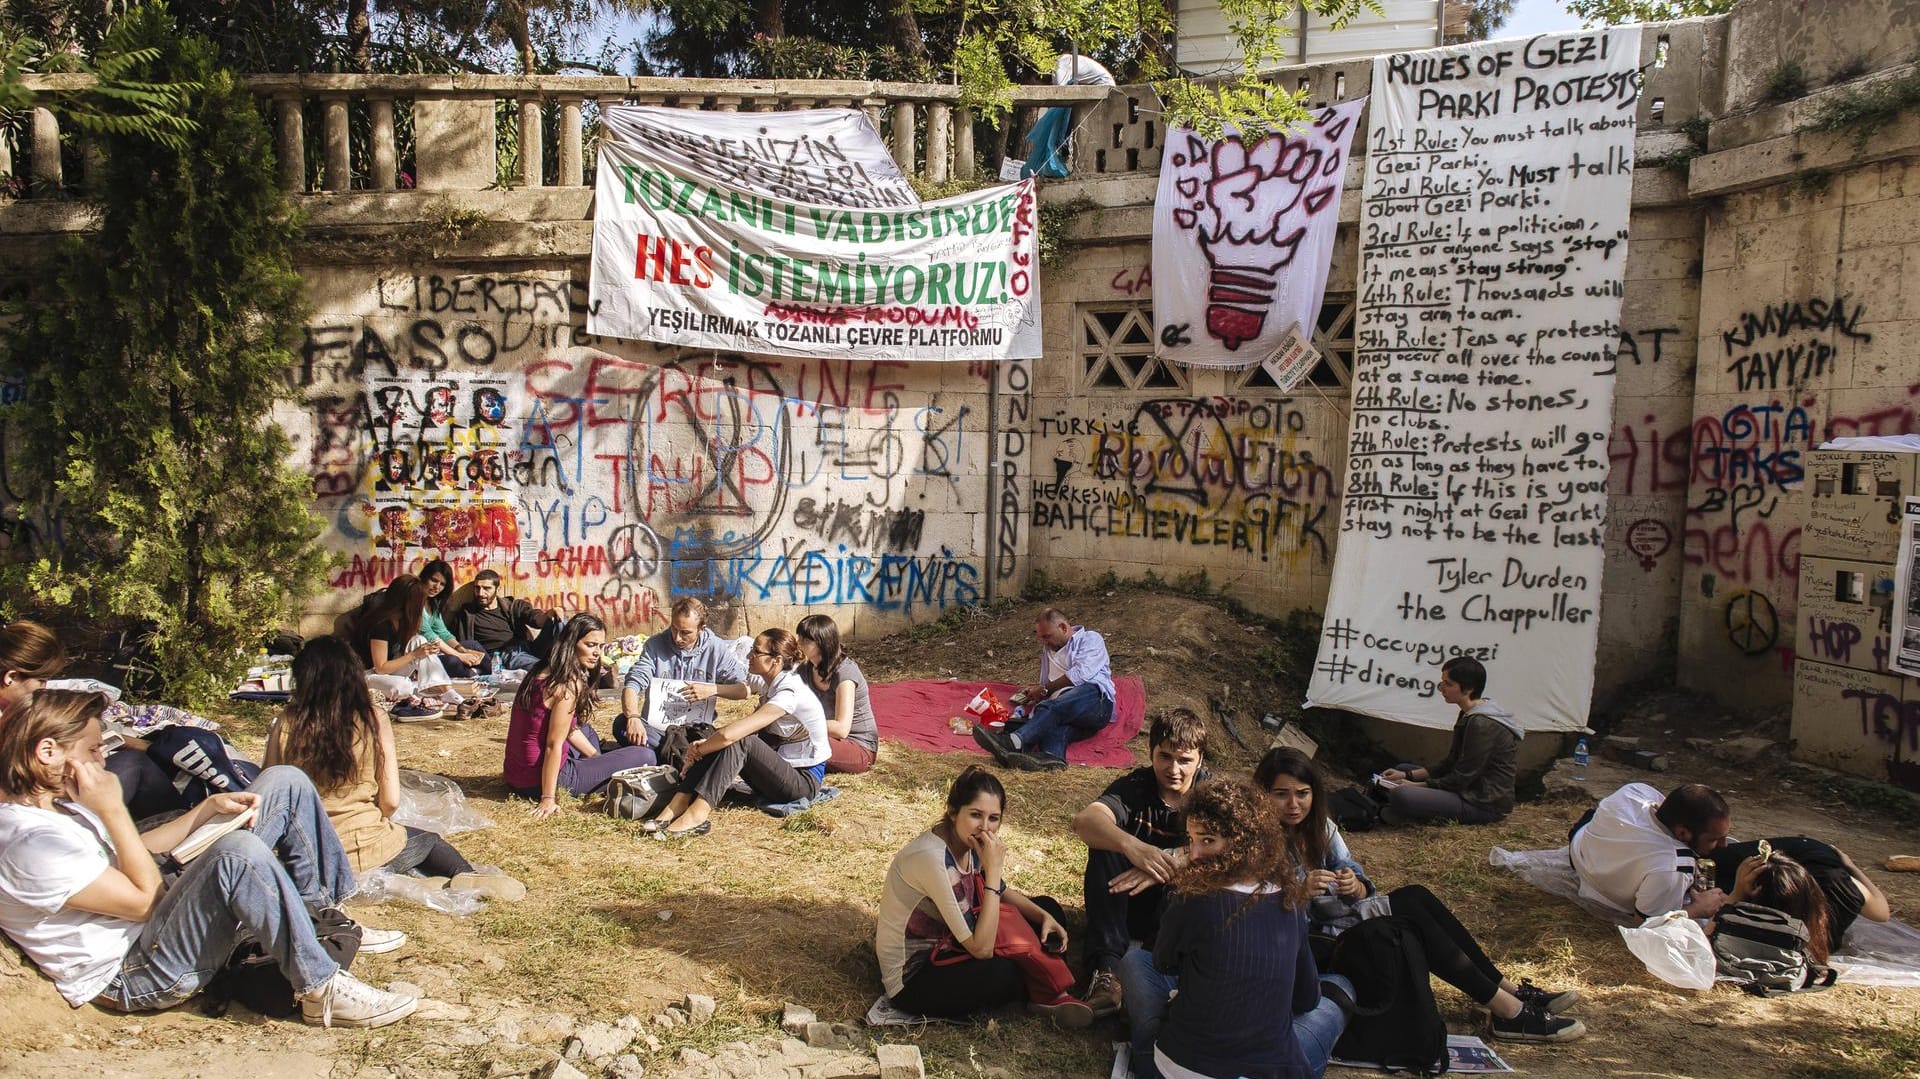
(1753, 626)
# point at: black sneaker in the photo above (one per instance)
(996, 744)
(1034, 762)
(1558, 1003)
(1536, 1024)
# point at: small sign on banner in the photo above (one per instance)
(1292, 361)
(1010, 168)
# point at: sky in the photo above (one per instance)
(1538, 17)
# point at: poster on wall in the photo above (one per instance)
(1243, 235)
(1906, 595)
(682, 257)
(1493, 243)
(441, 446)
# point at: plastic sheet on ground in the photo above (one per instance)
(381, 885)
(1871, 953)
(434, 803)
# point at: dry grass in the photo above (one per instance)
(764, 911)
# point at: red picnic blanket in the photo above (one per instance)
(917, 714)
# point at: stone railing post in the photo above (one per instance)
(383, 167)
(963, 143)
(939, 126)
(48, 178)
(291, 145)
(339, 174)
(533, 160)
(903, 154)
(454, 142)
(573, 170)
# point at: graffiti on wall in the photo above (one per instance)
(597, 482)
(1232, 474)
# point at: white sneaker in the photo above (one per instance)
(374, 941)
(346, 1001)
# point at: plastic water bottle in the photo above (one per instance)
(1580, 759)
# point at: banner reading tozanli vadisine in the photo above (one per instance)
(683, 257)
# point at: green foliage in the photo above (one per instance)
(121, 103)
(1261, 30)
(1868, 110)
(1787, 82)
(1620, 12)
(802, 57)
(155, 350)
(1055, 219)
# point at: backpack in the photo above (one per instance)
(253, 978)
(1395, 1022)
(638, 793)
(1353, 809)
(1765, 950)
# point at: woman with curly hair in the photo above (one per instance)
(1235, 937)
(551, 746)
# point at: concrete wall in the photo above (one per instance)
(460, 409)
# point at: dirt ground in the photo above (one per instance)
(764, 911)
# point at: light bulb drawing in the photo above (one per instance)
(1250, 205)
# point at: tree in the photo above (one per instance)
(1616, 12)
(155, 350)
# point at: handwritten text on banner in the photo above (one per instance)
(1493, 241)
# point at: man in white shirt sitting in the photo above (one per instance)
(1640, 853)
(81, 894)
(1073, 701)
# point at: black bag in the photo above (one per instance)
(253, 978)
(1353, 810)
(674, 743)
(1395, 1022)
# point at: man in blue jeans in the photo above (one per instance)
(1073, 701)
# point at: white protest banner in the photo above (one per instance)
(1243, 234)
(1493, 239)
(683, 260)
(1906, 596)
(832, 157)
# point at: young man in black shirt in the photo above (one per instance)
(512, 629)
(1132, 833)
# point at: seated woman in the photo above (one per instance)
(331, 731)
(1474, 784)
(81, 893)
(946, 943)
(1235, 938)
(462, 659)
(842, 689)
(780, 750)
(550, 746)
(30, 654)
(1335, 883)
(1850, 894)
(401, 662)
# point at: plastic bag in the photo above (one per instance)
(434, 803)
(987, 708)
(380, 885)
(1674, 948)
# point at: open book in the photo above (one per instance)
(205, 836)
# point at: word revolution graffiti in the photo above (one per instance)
(1229, 473)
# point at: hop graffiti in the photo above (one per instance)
(1242, 200)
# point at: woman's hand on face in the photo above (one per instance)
(547, 808)
(1322, 880)
(992, 854)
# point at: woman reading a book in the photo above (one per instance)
(1339, 895)
(780, 750)
(331, 730)
(82, 895)
(550, 745)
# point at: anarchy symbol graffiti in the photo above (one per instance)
(1753, 626)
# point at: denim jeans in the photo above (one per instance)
(294, 826)
(1147, 990)
(1078, 712)
(236, 888)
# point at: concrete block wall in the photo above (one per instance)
(462, 410)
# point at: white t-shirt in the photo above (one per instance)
(1082, 70)
(46, 856)
(1628, 860)
(790, 693)
(922, 901)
